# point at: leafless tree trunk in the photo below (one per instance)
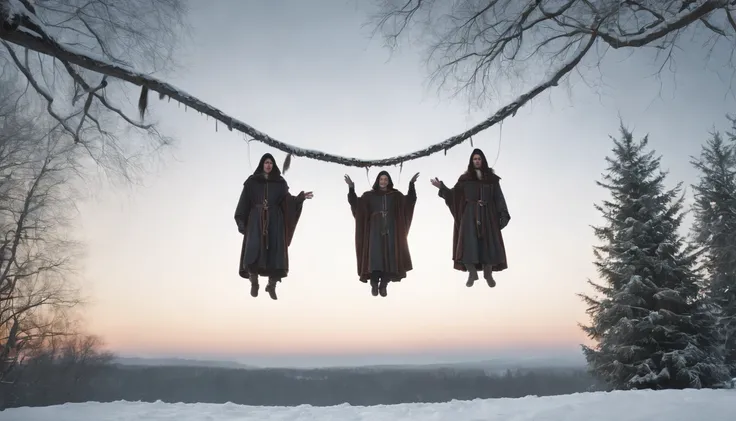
(37, 252)
(470, 40)
(89, 107)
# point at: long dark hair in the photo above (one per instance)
(484, 168)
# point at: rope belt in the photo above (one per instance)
(479, 204)
(264, 217)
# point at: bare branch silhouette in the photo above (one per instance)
(472, 37)
(37, 253)
(89, 107)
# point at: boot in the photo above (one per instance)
(382, 287)
(271, 288)
(472, 275)
(374, 285)
(488, 274)
(374, 288)
(253, 284)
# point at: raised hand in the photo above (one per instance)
(414, 179)
(349, 181)
(308, 195)
(436, 182)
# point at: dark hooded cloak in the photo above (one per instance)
(479, 211)
(267, 216)
(382, 222)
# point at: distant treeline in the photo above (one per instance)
(51, 383)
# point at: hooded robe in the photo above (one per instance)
(267, 215)
(479, 211)
(382, 222)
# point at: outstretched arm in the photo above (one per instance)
(410, 201)
(352, 200)
(450, 196)
(352, 197)
(411, 194)
(291, 207)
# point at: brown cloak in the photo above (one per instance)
(491, 222)
(403, 213)
(267, 231)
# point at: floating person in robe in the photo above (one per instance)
(383, 218)
(267, 216)
(479, 210)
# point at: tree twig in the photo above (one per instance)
(47, 46)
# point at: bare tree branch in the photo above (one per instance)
(471, 43)
(477, 36)
(37, 252)
(129, 32)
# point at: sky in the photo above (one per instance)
(161, 266)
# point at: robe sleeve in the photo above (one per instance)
(410, 201)
(353, 201)
(291, 207)
(242, 210)
(359, 209)
(453, 198)
(504, 217)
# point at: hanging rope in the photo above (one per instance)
(500, 135)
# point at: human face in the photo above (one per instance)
(477, 162)
(267, 166)
(383, 182)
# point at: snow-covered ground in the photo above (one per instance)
(671, 405)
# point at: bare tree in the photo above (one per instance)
(37, 251)
(472, 44)
(471, 38)
(90, 107)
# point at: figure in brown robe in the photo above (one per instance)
(479, 210)
(267, 215)
(383, 217)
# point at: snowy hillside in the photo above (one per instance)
(671, 405)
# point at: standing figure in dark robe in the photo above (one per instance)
(383, 217)
(267, 215)
(479, 210)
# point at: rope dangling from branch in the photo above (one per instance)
(250, 162)
(500, 135)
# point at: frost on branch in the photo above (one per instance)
(479, 36)
(86, 103)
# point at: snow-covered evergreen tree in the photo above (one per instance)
(714, 230)
(651, 327)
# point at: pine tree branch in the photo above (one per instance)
(19, 26)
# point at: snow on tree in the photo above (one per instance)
(714, 230)
(653, 330)
(473, 38)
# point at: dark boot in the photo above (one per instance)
(383, 287)
(253, 284)
(271, 288)
(374, 285)
(472, 275)
(488, 274)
